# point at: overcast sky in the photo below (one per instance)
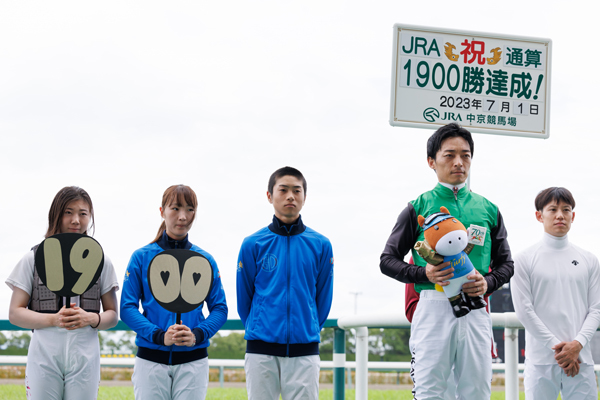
(127, 98)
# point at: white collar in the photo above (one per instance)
(555, 241)
(451, 187)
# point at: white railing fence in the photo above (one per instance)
(361, 323)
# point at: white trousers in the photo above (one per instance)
(155, 381)
(63, 364)
(450, 387)
(295, 378)
(545, 381)
(440, 341)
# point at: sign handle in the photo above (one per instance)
(178, 321)
(68, 302)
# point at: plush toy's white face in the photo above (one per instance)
(452, 243)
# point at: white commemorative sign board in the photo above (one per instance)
(488, 83)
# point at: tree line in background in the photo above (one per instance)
(384, 344)
(14, 343)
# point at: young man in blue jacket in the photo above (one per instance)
(284, 293)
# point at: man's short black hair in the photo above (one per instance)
(553, 195)
(434, 144)
(284, 172)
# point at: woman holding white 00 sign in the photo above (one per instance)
(172, 361)
(64, 354)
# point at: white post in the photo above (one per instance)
(511, 360)
(361, 379)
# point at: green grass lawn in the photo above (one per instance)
(17, 392)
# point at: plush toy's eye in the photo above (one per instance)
(436, 227)
(449, 241)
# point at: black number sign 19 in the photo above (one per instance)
(69, 263)
(180, 279)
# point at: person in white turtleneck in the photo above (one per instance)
(556, 295)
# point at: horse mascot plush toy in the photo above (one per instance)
(446, 239)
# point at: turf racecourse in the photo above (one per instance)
(17, 392)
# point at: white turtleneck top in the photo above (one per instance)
(556, 294)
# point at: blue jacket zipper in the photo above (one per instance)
(171, 346)
(287, 263)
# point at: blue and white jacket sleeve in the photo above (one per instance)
(246, 273)
(325, 283)
(217, 308)
(130, 300)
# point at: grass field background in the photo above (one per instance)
(17, 392)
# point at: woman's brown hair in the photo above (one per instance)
(63, 198)
(178, 195)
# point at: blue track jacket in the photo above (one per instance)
(151, 325)
(284, 289)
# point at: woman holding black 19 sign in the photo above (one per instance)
(63, 360)
(172, 278)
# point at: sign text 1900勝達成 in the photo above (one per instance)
(490, 83)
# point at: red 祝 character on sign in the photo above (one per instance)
(475, 49)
